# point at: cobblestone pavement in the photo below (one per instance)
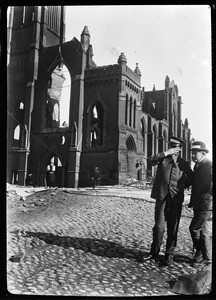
(89, 243)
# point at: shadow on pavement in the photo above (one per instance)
(182, 258)
(98, 247)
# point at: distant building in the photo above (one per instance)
(113, 124)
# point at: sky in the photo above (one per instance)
(173, 40)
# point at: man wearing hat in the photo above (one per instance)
(172, 177)
(201, 201)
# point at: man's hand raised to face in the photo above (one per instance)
(172, 151)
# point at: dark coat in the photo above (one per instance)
(170, 177)
(201, 193)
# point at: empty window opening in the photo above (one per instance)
(65, 98)
(21, 106)
(17, 133)
(58, 98)
(17, 137)
(96, 125)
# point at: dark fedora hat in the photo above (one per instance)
(176, 142)
(199, 146)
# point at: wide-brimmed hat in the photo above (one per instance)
(199, 146)
(175, 141)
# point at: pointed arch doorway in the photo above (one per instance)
(55, 170)
(131, 156)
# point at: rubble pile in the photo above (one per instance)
(144, 184)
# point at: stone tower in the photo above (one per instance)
(31, 29)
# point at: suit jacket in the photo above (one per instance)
(201, 193)
(170, 177)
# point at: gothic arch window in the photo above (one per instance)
(126, 109)
(53, 163)
(58, 97)
(16, 136)
(21, 106)
(96, 115)
(143, 134)
(134, 114)
(130, 143)
(130, 112)
(17, 132)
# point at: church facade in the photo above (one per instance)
(113, 123)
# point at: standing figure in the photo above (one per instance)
(51, 176)
(201, 201)
(172, 177)
(96, 177)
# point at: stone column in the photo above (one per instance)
(24, 152)
(74, 152)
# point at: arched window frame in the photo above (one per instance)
(126, 109)
(59, 68)
(134, 115)
(95, 130)
(143, 134)
(130, 112)
(17, 136)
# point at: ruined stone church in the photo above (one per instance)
(111, 122)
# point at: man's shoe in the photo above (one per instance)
(168, 260)
(197, 257)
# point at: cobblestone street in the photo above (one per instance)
(89, 243)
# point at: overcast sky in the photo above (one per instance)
(173, 40)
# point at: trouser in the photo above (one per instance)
(200, 229)
(166, 211)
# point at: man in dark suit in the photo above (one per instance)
(201, 201)
(172, 177)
